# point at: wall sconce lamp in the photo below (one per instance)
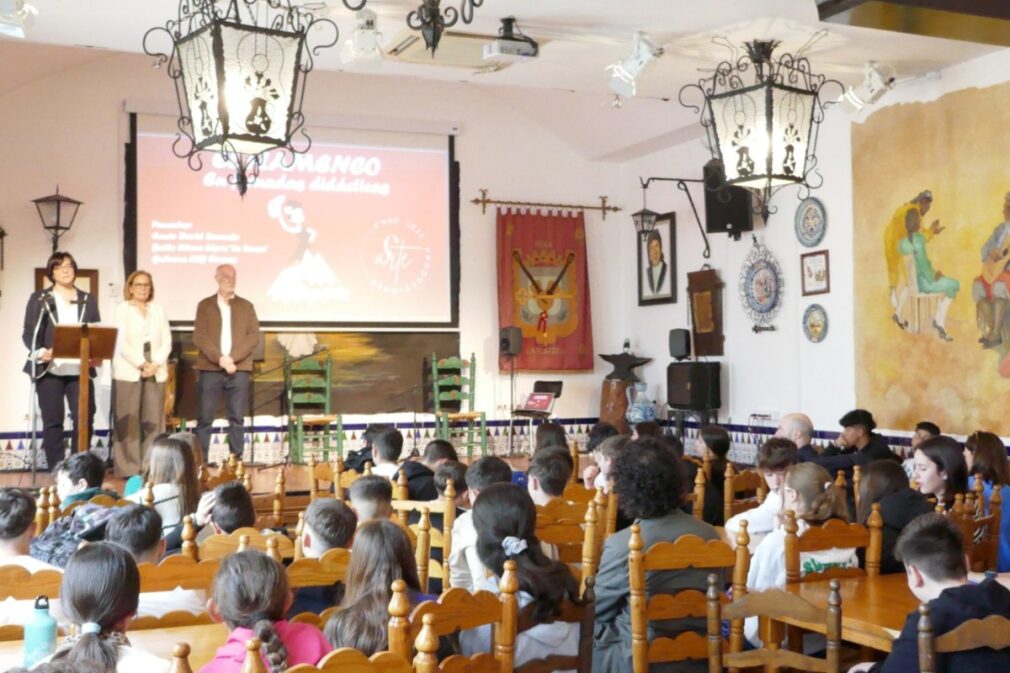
(57, 213)
(645, 219)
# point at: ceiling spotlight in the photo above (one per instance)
(13, 15)
(877, 80)
(364, 43)
(624, 74)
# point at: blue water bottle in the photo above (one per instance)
(40, 633)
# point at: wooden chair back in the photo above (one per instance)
(349, 660)
(576, 492)
(857, 480)
(56, 512)
(318, 621)
(560, 510)
(436, 538)
(773, 604)
(582, 613)
(688, 551)
(455, 610)
(330, 472)
(170, 620)
(42, 510)
(326, 570)
(221, 545)
(981, 531)
(992, 632)
(177, 571)
(576, 543)
(180, 659)
(269, 508)
(17, 583)
(746, 482)
(573, 450)
(697, 496)
(834, 534)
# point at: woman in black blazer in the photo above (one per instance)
(56, 380)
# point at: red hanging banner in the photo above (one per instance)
(543, 289)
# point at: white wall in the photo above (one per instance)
(771, 372)
(70, 128)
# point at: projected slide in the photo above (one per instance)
(351, 233)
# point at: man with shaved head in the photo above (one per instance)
(225, 334)
(800, 430)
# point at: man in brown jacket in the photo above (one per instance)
(225, 334)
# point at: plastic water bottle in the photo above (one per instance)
(40, 633)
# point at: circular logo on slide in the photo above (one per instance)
(396, 256)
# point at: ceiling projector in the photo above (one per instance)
(511, 44)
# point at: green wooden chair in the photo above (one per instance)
(307, 385)
(453, 381)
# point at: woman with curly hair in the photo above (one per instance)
(648, 480)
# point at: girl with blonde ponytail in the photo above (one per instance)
(251, 597)
(810, 493)
(99, 595)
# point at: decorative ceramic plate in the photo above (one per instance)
(815, 323)
(761, 285)
(811, 222)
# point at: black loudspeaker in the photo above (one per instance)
(728, 210)
(680, 344)
(693, 386)
(510, 341)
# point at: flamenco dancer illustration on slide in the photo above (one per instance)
(308, 279)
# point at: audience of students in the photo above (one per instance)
(713, 444)
(648, 481)
(932, 550)
(885, 482)
(79, 478)
(550, 434)
(799, 429)
(809, 492)
(465, 567)
(599, 432)
(223, 510)
(597, 475)
(329, 524)
(549, 474)
(381, 555)
(99, 595)
(774, 458)
(505, 519)
(923, 430)
(137, 529)
(251, 596)
(421, 474)
(371, 498)
(986, 459)
(940, 469)
(857, 444)
(387, 445)
(17, 526)
(171, 468)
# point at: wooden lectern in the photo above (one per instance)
(86, 342)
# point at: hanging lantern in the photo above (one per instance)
(239, 68)
(762, 117)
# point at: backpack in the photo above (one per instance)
(61, 538)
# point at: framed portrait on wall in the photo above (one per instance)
(657, 263)
(85, 279)
(816, 273)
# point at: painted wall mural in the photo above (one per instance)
(931, 192)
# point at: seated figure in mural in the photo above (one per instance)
(929, 280)
(894, 232)
(990, 290)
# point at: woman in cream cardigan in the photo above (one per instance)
(139, 372)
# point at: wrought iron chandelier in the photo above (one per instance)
(239, 68)
(432, 19)
(762, 117)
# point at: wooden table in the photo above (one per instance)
(874, 609)
(203, 642)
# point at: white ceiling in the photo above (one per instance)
(581, 38)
